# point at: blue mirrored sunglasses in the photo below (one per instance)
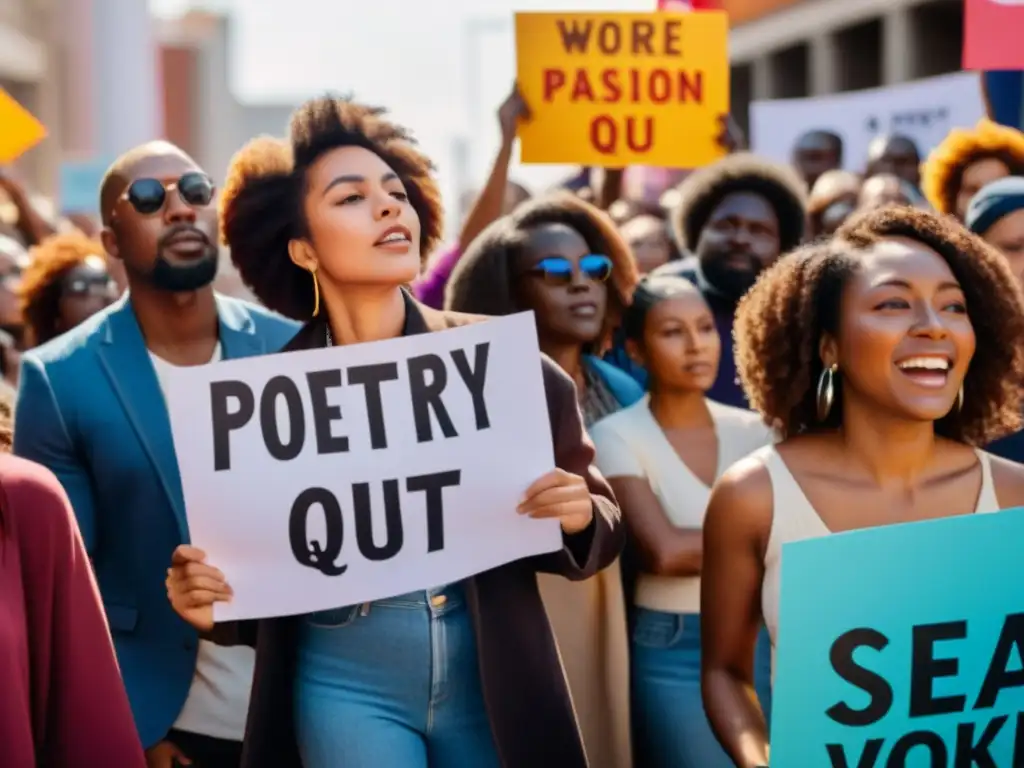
(558, 269)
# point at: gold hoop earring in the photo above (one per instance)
(960, 399)
(826, 391)
(316, 291)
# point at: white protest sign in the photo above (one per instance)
(331, 477)
(925, 110)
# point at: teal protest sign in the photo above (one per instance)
(80, 185)
(903, 647)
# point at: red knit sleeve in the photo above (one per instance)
(80, 708)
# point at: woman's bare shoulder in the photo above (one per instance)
(742, 497)
(1008, 479)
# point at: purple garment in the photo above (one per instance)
(429, 287)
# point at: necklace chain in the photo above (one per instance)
(330, 338)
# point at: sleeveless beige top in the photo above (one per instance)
(794, 519)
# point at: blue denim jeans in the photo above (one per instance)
(393, 684)
(670, 729)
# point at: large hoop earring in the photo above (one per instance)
(826, 391)
(316, 291)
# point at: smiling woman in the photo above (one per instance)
(883, 356)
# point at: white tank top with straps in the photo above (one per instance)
(795, 519)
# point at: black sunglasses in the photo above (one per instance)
(558, 270)
(147, 196)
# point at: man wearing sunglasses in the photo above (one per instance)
(91, 409)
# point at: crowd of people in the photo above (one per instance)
(741, 356)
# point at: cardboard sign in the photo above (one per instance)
(19, 130)
(992, 34)
(331, 477)
(903, 646)
(619, 89)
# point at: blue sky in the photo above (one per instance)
(409, 55)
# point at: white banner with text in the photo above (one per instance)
(330, 477)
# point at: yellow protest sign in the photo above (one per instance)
(618, 89)
(19, 130)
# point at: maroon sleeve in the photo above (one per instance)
(80, 708)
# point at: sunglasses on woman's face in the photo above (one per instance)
(558, 270)
(91, 287)
(147, 196)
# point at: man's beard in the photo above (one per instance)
(729, 280)
(181, 278)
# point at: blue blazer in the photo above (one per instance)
(91, 410)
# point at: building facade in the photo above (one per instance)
(202, 113)
(30, 63)
(798, 48)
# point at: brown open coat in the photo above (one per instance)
(523, 684)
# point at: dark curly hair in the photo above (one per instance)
(942, 172)
(704, 189)
(780, 321)
(262, 201)
(40, 288)
(483, 282)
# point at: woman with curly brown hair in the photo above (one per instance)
(563, 258)
(883, 357)
(332, 226)
(65, 283)
(966, 161)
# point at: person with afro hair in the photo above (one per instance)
(331, 226)
(66, 282)
(884, 357)
(735, 218)
(967, 160)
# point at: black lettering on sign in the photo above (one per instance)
(841, 657)
(433, 486)
(475, 379)
(370, 377)
(1018, 742)
(976, 753)
(426, 396)
(311, 553)
(282, 387)
(868, 757)
(925, 668)
(225, 421)
(324, 413)
(998, 677)
(927, 739)
(394, 535)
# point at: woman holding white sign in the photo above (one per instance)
(884, 356)
(465, 676)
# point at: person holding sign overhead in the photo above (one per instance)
(883, 356)
(330, 227)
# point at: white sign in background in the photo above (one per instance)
(241, 515)
(925, 110)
